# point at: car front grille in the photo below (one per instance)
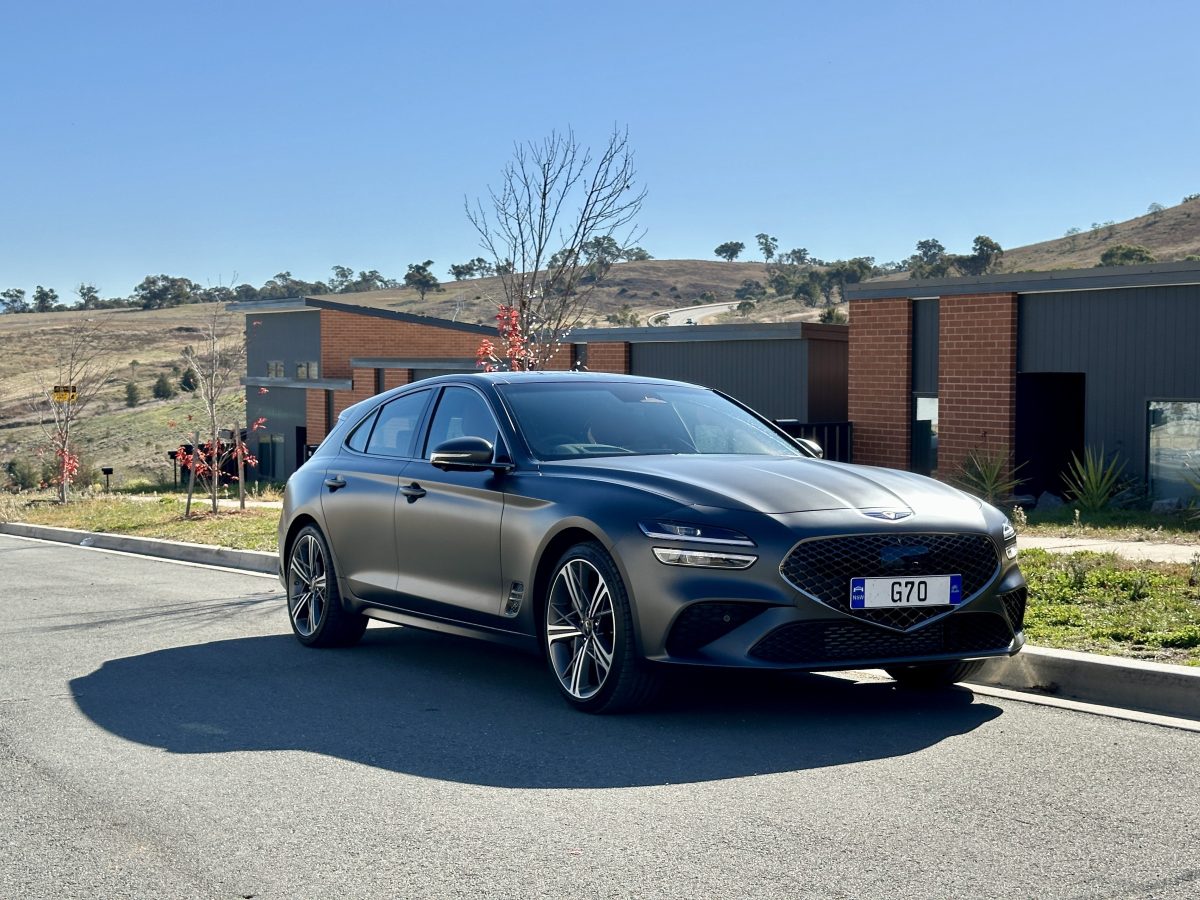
(827, 642)
(703, 623)
(823, 568)
(1014, 607)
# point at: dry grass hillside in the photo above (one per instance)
(646, 286)
(1170, 235)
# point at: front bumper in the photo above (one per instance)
(757, 618)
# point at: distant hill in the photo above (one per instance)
(646, 286)
(1170, 235)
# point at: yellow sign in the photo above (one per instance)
(65, 393)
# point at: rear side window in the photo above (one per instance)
(395, 429)
(358, 437)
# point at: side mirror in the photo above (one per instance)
(811, 446)
(463, 454)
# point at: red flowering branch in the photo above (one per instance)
(513, 353)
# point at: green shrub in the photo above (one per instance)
(163, 389)
(23, 473)
(133, 393)
(1093, 482)
(989, 475)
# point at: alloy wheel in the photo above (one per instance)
(307, 585)
(580, 628)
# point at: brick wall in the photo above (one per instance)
(977, 377)
(364, 385)
(608, 356)
(314, 414)
(881, 381)
(394, 378)
(346, 335)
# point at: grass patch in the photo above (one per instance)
(251, 529)
(1100, 603)
(1182, 527)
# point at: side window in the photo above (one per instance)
(395, 429)
(461, 413)
(358, 437)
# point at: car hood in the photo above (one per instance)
(773, 485)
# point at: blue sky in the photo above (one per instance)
(216, 140)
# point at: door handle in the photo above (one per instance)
(335, 483)
(413, 492)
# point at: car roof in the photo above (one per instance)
(494, 378)
(572, 377)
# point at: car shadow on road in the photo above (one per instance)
(471, 712)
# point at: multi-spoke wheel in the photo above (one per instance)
(934, 675)
(589, 634)
(314, 604)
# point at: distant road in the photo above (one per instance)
(693, 315)
(162, 734)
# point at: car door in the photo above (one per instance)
(358, 498)
(448, 523)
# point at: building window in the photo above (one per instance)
(925, 434)
(1174, 457)
(275, 369)
(308, 371)
(270, 457)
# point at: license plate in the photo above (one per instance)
(889, 593)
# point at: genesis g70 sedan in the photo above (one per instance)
(620, 525)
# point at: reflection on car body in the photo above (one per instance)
(618, 525)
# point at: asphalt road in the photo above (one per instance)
(162, 735)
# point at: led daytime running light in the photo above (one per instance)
(703, 559)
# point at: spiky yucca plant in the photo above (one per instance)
(989, 475)
(1093, 481)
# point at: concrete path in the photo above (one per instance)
(1142, 550)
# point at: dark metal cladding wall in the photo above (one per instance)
(925, 346)
(828, 381)
(291, 337)
(769, 376)
(283, 409)
(1132, 345)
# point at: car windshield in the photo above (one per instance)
(565, 421)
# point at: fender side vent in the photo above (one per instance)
(516, 596)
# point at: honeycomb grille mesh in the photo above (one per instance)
(703, 623)
(820, 642)
(823, 569)
(1014, 607)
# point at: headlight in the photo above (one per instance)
(683, 531)
(703, 559)
(1010, 540)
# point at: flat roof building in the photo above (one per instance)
(308, 359)
(1039, 365)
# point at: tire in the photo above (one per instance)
(314, 603)
(587, 635)
(935, 675)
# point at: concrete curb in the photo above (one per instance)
(205, 554)
(1104, 680)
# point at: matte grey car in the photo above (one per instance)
(620, 525)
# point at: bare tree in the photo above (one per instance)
(218, 361)
(549, 229)
(81, 370)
